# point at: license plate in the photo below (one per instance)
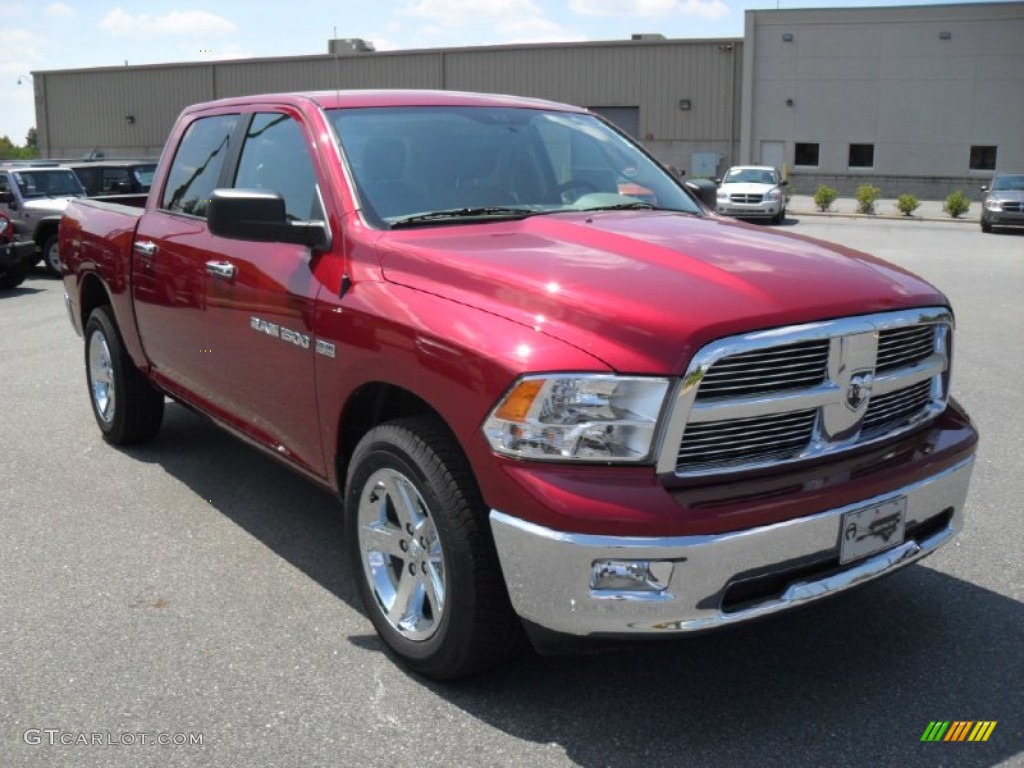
(872, 529)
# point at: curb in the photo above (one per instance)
(878, 217)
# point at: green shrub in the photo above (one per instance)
(824, 197)
(866, 196)
(907, 204)
(956, 204)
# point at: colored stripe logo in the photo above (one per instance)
(959, 730)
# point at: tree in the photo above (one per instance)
(32, 139)
(11, 151)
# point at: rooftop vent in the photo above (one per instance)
(349, 46)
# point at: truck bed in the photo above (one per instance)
(96, 239)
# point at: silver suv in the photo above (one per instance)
(1004, 201)
(752, 192)
(34, 196)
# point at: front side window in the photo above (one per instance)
(275, 159)
(144, 175)
(413, 163)
(115, 180)
(197, 164)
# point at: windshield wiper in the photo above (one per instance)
(639, 205)
(636, 205)
(436, 217)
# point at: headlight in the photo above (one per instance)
(774, 194)
(993, 205)
(578, 417)
(723, 195)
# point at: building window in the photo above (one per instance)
(983, 158)
(862, 156)
(806, 154)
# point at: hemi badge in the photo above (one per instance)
(325, 348)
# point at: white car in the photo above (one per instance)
(752, 192)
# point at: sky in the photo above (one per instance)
(40, 35)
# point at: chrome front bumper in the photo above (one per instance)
(548, 573)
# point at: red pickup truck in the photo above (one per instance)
(553, 406)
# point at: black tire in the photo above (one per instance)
(985, 226)
(14, 275)
(412, 470)
(779, 217)
(128, 409)
(51, 255)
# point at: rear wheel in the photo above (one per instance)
(51, 255)
(127, 407)
(421, 547)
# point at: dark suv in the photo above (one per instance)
(114, 177)
(16, 256)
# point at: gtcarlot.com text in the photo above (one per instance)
(56, 736)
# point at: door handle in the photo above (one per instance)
(223, 269)
(145, 248)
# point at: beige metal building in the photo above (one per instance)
(680, 97)
(919, 99)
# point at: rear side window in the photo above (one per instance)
(197, 165)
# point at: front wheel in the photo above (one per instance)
(128, 409)
(985, 226)
(51, 255)
(421, 548)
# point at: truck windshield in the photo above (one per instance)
(55, 183)
(428, 165)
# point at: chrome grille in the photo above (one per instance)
(1011, 207)
(896, 409)
(723, 443)
(746, 198)
(800, 392)
(900, 347)
(791, 366)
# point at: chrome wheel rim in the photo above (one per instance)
(53, 257)
(101, 377)
(401, 553)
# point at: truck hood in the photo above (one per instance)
(747, 188)
(643, 291)
(46, 206)
(1008, 195)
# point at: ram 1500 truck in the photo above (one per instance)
(557, 396)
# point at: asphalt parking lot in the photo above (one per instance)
(193, 588)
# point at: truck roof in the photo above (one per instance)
(392, 98)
